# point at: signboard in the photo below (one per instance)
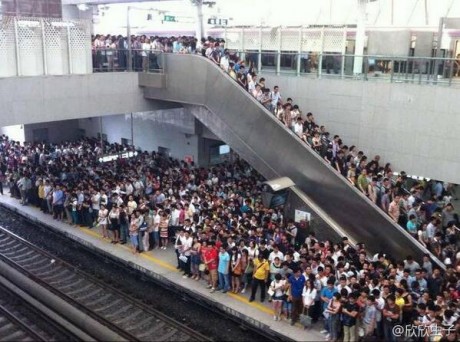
(300, 216)
(170, 18)
(112, 157)
(217, 21)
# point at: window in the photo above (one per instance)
(104, 136)
(125, 141)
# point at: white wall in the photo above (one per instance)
(14, 132)
(148, 134)
(414, 127)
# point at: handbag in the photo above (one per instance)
(237, 270)
(143, 227)
(183, 258)
(202, 267)
(270, 291)
(305, 319)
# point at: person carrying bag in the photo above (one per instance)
(276, 291)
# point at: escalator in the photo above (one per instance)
(257, 136)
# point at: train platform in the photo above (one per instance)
(161, 265)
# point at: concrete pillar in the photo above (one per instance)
(360, 38)
(199, 19)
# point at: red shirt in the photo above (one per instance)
(210, 255)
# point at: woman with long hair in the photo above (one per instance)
(247, 267)
(164, 222)
(236, 269)
(114, 223)
(102, 220)
(309, 295)
(195, 260)
(278, 286)
(133, 233)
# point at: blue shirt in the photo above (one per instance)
(411, 227)
(297, 285)
(224, 260)
(328, 293)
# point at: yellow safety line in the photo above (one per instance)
(167, 265)
(254, 304)
(142, 255)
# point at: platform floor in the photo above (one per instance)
(161, 264)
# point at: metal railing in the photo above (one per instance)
(394, 69)
(112, 60)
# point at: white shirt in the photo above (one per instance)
(278, 287)
(224, 64)
(145, 49)
(309, 296)
(95, 201)
(175, 217)
(156, 223)
(275, 97)
(274, 254)
(298, 128)
(380, 304)
(187, 245)
(251, 86)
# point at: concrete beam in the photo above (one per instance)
(27, 100)
(106, 2)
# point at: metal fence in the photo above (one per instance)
(44, 46)
(419, 70)
(112, 60)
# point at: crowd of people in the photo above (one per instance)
(223, 235)
(422, 208)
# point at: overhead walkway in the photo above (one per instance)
(256, 135)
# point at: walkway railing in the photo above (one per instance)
(109, 60)
(415, 70)
(394, 69)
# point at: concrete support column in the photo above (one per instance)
(199, 19)
(360, 38)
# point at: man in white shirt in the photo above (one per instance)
(225, 61)
(276, 97)
(129, 188)
(146, 47)
(343, 285)
(275, 253)
(156, 229)
(298, 127)
(95, 204)
(379, 305)
(138, 188)
(291, 231)
(187, 243)
(252, 83)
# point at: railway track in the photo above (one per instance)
(20, 321)
(127, 316)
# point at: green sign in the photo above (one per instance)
(170, 18)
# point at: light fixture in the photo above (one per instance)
(83, 7)
(62, 24)
(28, 23)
